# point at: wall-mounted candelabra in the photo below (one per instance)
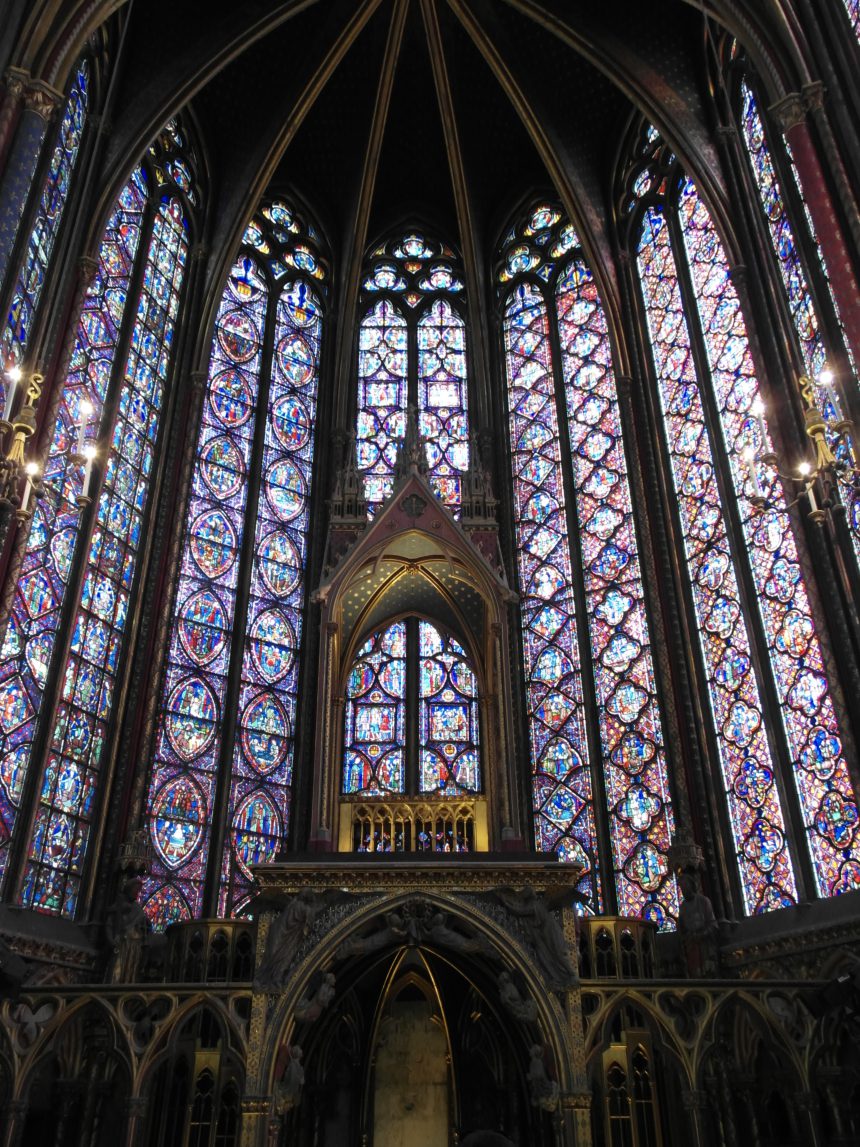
(20, 473)
(834, 450)
(17, 427)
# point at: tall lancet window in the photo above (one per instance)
(598, 757)
(811, 303)
(412, 350)
(28, 284)
(80, 564)
(219, 797)
(774, 725)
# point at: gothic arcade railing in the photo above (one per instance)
(414, 825)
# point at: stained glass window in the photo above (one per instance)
(31, 277)
(381, 705)
(448, 715)
(410, 284)
(599, 515)
(382, 398)
(796, 283)
(564, 808)
(375, 720)
(442, 398)
(122, 409)
(803, 743)
(228, 705)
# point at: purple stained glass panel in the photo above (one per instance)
(65, 812)
(259, 802)
(382, 394)
(443, 399)
(755, 812)
(819, 769)
(797, 290)
(635, 770)
(564, 812)
(375, 717)
(188, 739)
(447, 716)
(47, 563)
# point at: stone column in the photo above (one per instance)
(695, 1103)
(14, 83)
(16, 1117)
(135, 1108)
(40, 101)
(791, 113)
(256, 1118)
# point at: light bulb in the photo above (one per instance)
(804, 468)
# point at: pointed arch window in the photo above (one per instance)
(774, 723)
(412, 350)
(80, 563)
(28, 284)
(411, 722)
(582, 598)
(811, 302)
(224, 742)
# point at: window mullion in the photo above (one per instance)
(230, 708)
(796, 834)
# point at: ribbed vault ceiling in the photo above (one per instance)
(379, 112)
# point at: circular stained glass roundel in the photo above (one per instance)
(296, 359)
(231, 397)
(273, 643)
(191, 716)
(222, 466)
(238, 336)
(265, 732)
(285, 489)
(280, 563)
(213, 543)
(291, 423)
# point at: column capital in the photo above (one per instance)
(42, 99)
(813, 95)
(790, 111)
(15, 81)
(199, 253)
(198, 379)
